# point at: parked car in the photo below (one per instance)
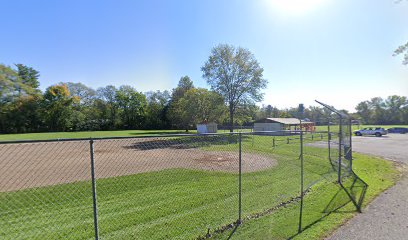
(401, 130)
(378, 132)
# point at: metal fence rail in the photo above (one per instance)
(173, 186)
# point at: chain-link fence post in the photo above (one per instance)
(95, 209)
(301, 178)
(328, 138)
(240, 179)
(350, 145)
(340, 145)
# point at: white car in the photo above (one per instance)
(371, 131)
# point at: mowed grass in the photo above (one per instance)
(86, 134)
(186, 204)
(133, 133)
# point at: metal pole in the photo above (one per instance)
(301, 179)
(351, 149)
(273, 142)
(240, 180)
(328, 137)
(95, 209)
(340, 142)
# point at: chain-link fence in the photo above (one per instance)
(174, 186)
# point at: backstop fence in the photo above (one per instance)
(176, 186)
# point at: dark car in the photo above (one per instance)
(398, 130)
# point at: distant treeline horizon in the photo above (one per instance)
(69, 106)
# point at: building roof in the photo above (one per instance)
(286, 121)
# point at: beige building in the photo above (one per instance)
(279, 124)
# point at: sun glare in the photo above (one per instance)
(295, 7)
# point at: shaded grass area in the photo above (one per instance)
(186, 204)
(86, 134)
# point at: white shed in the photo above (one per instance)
(207, 128)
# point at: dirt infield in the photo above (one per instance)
(29, 165)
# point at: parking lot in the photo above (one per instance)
(391, 146)
(386, 217)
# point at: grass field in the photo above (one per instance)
(182, 203)
(93, 134)
(133, 133)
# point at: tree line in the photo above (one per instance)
(233, 74)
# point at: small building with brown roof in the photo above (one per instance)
(279, 124)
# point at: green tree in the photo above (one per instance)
(12, 85)
(18, 102)
(268, 111)
(379, 114)
(364, 111)
(132, 105)
(200, 105)
(86, 94)
(29, 76)
(316, 115)
(157, 108)
(173, 115)
(24, 114)
(7, 79)
(395, 107)
(235, 74)
(59, 108)
(183, 86)
(245, 114)
(108, 104)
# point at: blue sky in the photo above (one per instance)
(336, 51)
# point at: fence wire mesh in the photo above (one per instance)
(45, 190)
(171, 187)
(175, 186)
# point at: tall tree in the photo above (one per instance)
(8, 78)
(268, 111)
(85, 94)
(200, 105)
(395, 106)
(12, 85)
(183, 86)
(133, 107)
(235, 74)
(377, 105)
(29, 76)
(18, 102)
(108, 96)
(156, 111)
(59, 108)
(364, 111)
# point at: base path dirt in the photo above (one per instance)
(29, 165)
(387, 216)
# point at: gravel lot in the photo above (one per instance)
(387, 216)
